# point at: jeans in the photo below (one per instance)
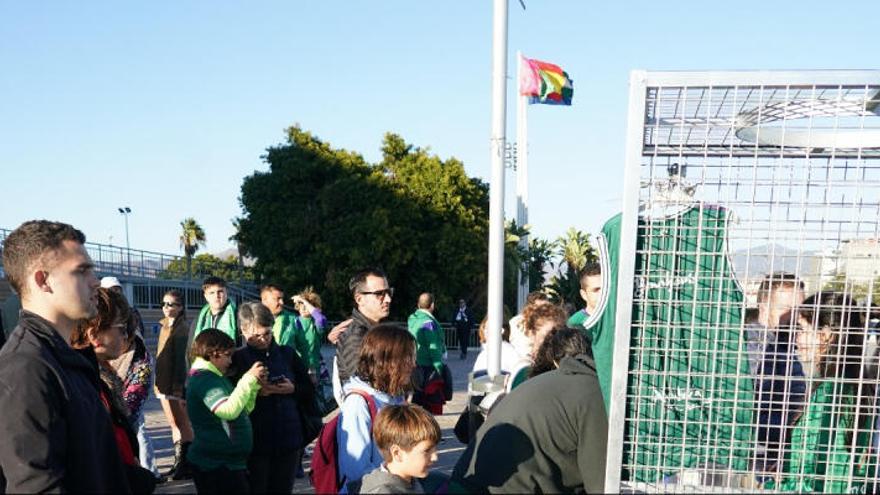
(148, 460)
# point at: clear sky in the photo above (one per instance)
(165, 106)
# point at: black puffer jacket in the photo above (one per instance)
(275, 419)
(56, 434)
(348, 349)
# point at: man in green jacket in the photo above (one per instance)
(430, 351)
(284, 330)
(218, 312)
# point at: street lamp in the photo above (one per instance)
(125, 211)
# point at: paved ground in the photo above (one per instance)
(449, 450)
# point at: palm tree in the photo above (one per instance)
(191, 237)
(574, 251)
(236, 238)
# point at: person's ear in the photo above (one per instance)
(40, 278)
(396, 453)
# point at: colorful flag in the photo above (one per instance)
(544, 83)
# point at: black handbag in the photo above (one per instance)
(447, 383)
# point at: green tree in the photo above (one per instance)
(574, 251)
(321, 213)
(191, 238)
(206, 264)
(862, 290)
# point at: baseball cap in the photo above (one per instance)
(110, 282)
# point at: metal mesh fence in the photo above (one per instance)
(746, 351)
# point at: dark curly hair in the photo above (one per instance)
(387, 359)
(534, 315)
(559, 343)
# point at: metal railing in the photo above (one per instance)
(131, 263)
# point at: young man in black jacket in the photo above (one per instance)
(56, 434)
(548, 436)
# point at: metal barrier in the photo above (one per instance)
(129, 263)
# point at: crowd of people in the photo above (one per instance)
(244, 388)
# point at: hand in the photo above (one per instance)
(337, 331)
(283, 387)
(259, 371)
(299, 300)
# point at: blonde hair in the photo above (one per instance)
(311, 296)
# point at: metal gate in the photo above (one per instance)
(741, 273)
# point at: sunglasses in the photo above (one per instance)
(166, 304)
(380, 293)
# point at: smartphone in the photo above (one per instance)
(274, 380)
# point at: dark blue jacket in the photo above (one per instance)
(781, 394)
(275, 418)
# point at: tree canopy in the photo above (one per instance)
(319, 214)
(208, 264)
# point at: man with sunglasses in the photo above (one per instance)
(372, 299)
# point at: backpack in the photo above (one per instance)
(325, 468)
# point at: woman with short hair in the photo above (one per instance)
(277, 425)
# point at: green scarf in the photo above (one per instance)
(225, 324)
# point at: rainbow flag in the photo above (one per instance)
(544, 83)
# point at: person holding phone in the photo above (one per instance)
(218, 411)
(277, 426)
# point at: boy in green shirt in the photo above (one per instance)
(591, 289)
(219, 415)
(218, 312)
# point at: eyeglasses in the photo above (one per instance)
(380, 293)
(166, 304)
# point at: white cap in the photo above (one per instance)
(110, 282)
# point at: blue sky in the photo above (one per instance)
(166, 106)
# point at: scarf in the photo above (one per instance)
(225, 324)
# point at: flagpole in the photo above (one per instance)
(495, 296)
(522, 181)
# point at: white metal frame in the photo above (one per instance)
(640, 82)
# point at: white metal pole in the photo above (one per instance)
(522, 181)
(496, 186)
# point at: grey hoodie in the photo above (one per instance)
(381, 481)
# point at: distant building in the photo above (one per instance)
(860, 259)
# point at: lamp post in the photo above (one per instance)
(125, 211)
